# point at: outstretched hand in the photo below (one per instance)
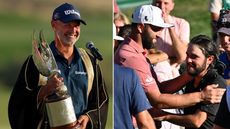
(212, 94)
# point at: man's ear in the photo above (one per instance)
(53, 24)
(140, 27)
(210, 59)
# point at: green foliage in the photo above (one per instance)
(4, 93)
(196, 13)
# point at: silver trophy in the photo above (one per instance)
(59, 108)
(45, 61)
(43, 56)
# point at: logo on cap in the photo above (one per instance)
(146, 18)
(68, 12)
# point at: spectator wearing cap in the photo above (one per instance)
(77, 72)
(215, 8)
(147, 22)
(224, 41)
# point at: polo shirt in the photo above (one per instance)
(75, 78)
(129, 97)
(211, 77)
(132, 55)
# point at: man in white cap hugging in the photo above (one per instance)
(147, 22)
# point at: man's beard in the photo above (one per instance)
(65, 39)
(195, 70)
(147, 42)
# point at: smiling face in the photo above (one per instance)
(225, 41)
(66, 33)
(197, 62)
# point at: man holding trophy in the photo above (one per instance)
(59, 86)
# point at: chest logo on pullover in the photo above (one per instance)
(80, 73)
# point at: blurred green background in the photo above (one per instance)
(18, 19)
(194, 11)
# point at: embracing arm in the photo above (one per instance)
(172, 100)
(191, 121)
(176, 84)
(211, 94)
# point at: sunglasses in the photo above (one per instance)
(156, 28)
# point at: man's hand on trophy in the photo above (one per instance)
(82, 122)
(53, 84)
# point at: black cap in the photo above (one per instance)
(67, 13)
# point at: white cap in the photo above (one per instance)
(149, 14)
(115, 34)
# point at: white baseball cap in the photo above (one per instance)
(115, 34)
(151, 15)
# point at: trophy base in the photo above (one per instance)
(61, 113)
(73, 125)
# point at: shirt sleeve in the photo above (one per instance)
(142, 68)
(184, 31)
(139, 99)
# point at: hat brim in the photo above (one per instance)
(66, 21)
(72, 18)
(118, 38)
(224, 30)
(163, 25)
